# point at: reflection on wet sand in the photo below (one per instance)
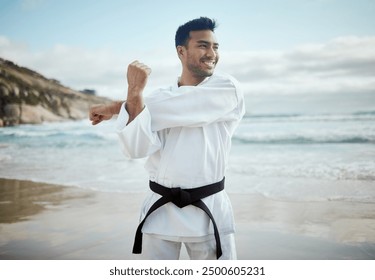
(44, 221)
(19, 200)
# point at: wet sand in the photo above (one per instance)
(44, 221)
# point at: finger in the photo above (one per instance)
(95, 122)
(92, 112)
(141, 65)
(93, 116)
(134, 63)
(148, 70)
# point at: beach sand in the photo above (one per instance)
(44, 221)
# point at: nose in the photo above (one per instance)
(211, 52)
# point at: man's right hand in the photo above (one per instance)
(137, 76)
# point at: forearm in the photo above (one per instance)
(134, 103)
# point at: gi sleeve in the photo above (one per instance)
(137, 139)
(193, 106)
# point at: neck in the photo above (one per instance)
(189, 80)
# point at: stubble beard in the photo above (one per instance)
(198, 71)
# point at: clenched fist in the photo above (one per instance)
(137, 77)
(103, 112)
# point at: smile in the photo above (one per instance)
(209, 63)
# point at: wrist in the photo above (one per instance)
(134, 106)
(115, 107)
(135, 91)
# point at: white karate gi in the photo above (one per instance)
(186, 134)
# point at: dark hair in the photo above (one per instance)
(183, 32)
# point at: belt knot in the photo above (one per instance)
(180, 197)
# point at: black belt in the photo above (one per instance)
(181, 198)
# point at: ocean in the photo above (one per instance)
(287, 147)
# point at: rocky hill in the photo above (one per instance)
(27, 97)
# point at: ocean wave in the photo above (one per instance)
(5, 158)
(335, 172)
(362, 199)
(59, 132)
(355, 116)
(303, 139)
(97, 135)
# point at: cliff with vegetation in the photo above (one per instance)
(27, 97)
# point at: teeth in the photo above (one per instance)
(209, 63)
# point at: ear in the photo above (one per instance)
(180, 51)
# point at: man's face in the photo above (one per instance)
(201, 54)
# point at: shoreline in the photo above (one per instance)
(45, 221)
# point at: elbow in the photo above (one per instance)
(132, 153)
(138, 147)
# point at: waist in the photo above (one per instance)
(172, 180)
(182, 197)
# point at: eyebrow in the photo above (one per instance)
(207, 42)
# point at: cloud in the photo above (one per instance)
(347, 56)
(345, 64)
(100, 69)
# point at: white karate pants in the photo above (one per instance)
(155, 248)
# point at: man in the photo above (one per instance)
(185, 131)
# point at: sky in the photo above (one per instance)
(278, 47)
